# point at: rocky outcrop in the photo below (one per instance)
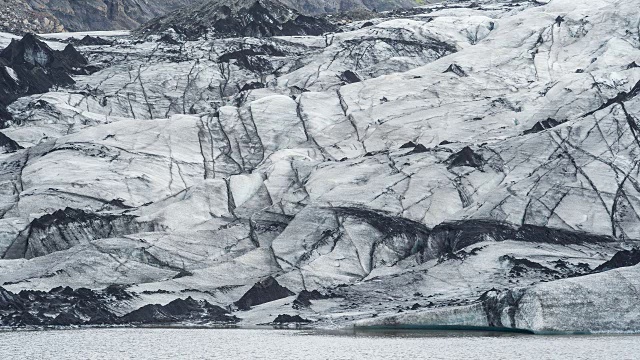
(7, 145)
(179, 311)
(290, 319)
(262, 292)
(305, 297)
(318, 7)
(48, 16)
(19, 17)
(238, 18)
(89, 40)
(104, 14)
(29, 66)
(622, 258)
(64, 306)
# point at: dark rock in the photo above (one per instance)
(289, 319)
(9, 301)
(418, 149)
(169, 39)
(252, 86)
(409, 145)
(633, 65)
(459, 255)
(349, 77)
(263, 292)
(89, 40)
(5, 115)
(66, 319)
(622, 258)
(29, 66)
(456, 69)
(118, 292)
(465, 157)
(7, 145)
(76, 59)
(252, 58)
(30, 53)
(66, 305)
(543, 125)
(177, 311)
(571, 270)
(241, 18)
(519, 267)
(148, 314)
(21, 319)
(304, 298)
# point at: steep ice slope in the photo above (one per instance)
(411, 165)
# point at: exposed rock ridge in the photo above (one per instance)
(238, 18)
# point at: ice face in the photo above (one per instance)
(462, 165)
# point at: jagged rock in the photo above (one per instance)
(10, 301)
(519, 267)
(252, 58)
(31, 53)
(543, 125)
(418, 149)
(65, 319)
(29, 66)
(255, 18)
(21, 320)
(89, 40)
(38, 16)
(289, 319)
(408, 145)
(466, 157)
(622, 258)
(304, 298)
(177, 311)
(61, 306)
(456, 69)
(349, 77)
(149, 314)
(252, 86)
(263, 292)
(7, 145)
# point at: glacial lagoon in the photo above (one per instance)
(163, 343)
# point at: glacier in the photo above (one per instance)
(467, 164)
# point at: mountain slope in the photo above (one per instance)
(46, 16)
(237, 18)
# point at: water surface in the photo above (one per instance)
(308, 345)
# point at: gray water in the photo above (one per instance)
(299, 345)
